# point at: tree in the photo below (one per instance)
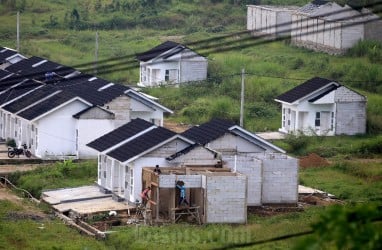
(347, 227)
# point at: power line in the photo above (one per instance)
(128, 62)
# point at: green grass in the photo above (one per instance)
(65, 174)
(41, 232)
(272, 67)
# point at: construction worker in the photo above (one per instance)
(182, 188)
(145, 195)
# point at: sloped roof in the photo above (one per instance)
(10, 80)
(47, 105)
(93, 91)
(208, 131)
(304, 89)
(158, 50)
(30, 99)
(23, 65)
(312, 6)
(18, 90)
(36, 67)
(4, 73)
(141, 144)
(5, 53)
(120, 134)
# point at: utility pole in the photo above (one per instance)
(242, 98)
(18, 32)
(96, 54)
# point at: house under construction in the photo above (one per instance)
(215, 194)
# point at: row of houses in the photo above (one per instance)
(320, 25)
(316, 107)
(225, 168)
(60, 112)
(56, 110)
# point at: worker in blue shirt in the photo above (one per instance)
(182, 189)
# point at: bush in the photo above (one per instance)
(297, 143)
(369, 48)
(10, 143)
(373, 146)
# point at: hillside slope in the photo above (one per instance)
(64, 31)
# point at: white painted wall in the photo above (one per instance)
(349, 114)
(230, 144)
(89, 130)
(57, 130)
(309, 110)
(189, 66)
(272, 20)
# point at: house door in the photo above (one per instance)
(301, 120)
(325, 122)
(293, 121)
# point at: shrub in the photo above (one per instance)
(10, 143)
(297, 143)
(369, 48)
(373, 146)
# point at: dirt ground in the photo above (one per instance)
(176, 127)
(313, 160)
(6, 194)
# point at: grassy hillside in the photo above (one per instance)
(354, 181)
(64, 31)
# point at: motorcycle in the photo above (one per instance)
(19, 151)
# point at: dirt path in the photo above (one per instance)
(6, 194)
(7, 169)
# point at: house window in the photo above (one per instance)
(332, 121)
(36, 138)
(283, 118)
(131, 181)
(32, 127)
(317, 121)
(171, 75)
(127, 177)
(143, 74)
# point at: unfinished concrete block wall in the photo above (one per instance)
(190, 181)
(225, 198)
(197, 156)
(280, 180)
(121, 108)
(252, 168)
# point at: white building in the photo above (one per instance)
(56, 117)
(322, 107)
(274, 21)
(171, 63)
(123, 154)
(328, 27)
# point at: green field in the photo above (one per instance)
(356, 181)
(64, 32)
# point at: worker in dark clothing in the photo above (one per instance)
(182, 189)
(157, 170)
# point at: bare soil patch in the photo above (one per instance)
(313, 160)
(176, 127)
